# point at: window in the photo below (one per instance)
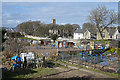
(103, 34)
(110, 36)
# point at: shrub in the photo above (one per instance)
(109, 51)
(113, 49)
(117, 50)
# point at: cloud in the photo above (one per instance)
(17, 12)
(63, 23)
(12, 21)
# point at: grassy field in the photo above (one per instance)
(33, 73)
(29, 73)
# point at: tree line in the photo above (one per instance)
(36, 28)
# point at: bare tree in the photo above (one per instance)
(101, 17)
(13, 46)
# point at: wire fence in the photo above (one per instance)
(104, 61)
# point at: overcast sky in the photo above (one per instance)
(14, 13)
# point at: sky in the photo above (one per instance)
(60, 0)
(14, 13)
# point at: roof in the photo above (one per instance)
(111, 30)
(90, 31)
(93, 34)
(79, 30)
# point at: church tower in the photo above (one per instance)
(53, 21)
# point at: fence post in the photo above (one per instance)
(43, 61)
(94, 62)
(72, 58)
(79, 60)
(62, 57)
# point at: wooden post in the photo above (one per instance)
(62, 57)
(72, 58)
(94, 62)
(43, 61)
(82, 59)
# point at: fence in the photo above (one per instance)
(103, 61)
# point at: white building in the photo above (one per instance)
(116, 35)
(79, 34)
(84, 34)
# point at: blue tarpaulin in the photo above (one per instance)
(114, 52)
(102, 48)
(80, 52)
(13, 58)
(83, 48)
(89, 55)
(18, 60)
(47, 53)
(112, 58)
(105, 63)
(79, 47)
(87, 52)
(56, 43)
(53, 45)
(83, 52)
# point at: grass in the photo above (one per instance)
(41, 72)
(27, 38)
(102, 40)
(64, 67)
(92, 69)
(57, 64)
(33, 73)
(30, 73)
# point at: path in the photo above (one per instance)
(72, 71)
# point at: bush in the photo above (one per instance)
(117, 50)
(109, 51)
(113, 49)
(54, 37)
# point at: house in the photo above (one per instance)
(89, 34)
(116, 35)
(52, 31)
(79, 34)
(84, 34)
(108, 33)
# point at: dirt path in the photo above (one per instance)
(76, 72)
